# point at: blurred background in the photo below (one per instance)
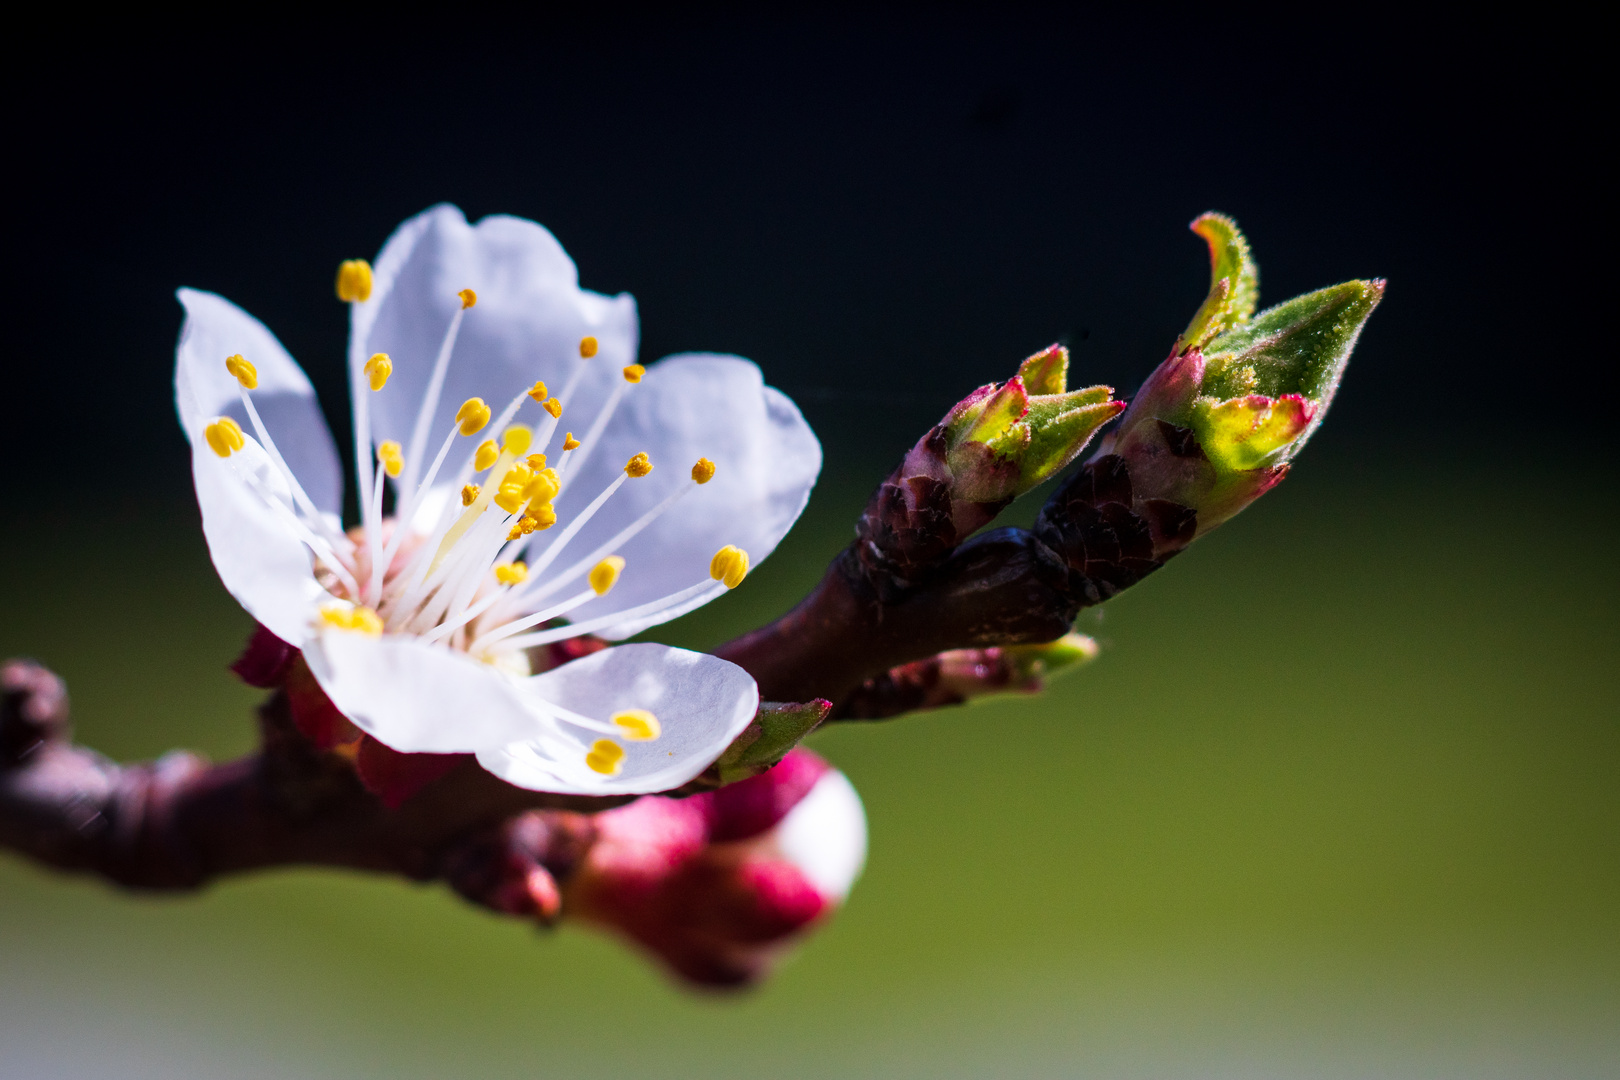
(1338, 800)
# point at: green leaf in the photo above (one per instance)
(777, 728)
(1300, 347)
(1234, 282)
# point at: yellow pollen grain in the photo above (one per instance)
(606, 757)
(468, 298)
(638, 725)
(554, 407)
(638, 466)
(244, 372)
(587, 347)
(539, 391)
(633, 373)
(516, 440)
(379, 367)
(486, 455)
(468, 494)
(605, 574)
(472, 416)
(224, 436)
(346, 616)
(513, 573)
(730, 565)
(703, 471)
(392, 458)
(569, 442)
(354, 281)
(539, 517)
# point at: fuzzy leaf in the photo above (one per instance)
(1047, 372)
(1234, 281)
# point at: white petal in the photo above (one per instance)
(527, 324)
(825, 835)
(701, 702)
(419, 698)
(214, 329)
(686, 407)
(258, 554)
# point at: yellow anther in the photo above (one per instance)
(730, 565)
(638, 725)
(472, 416)
(554, 407)
(393, 460)
(606, 757)
(539, 391)
(569, 442)
(634, 372)
(224, 436)
(379, 367)
(510, 495)
(245, 373)
(638, 466)
(542, 487)
(346, 616)
(468, 494)
(518, 475)
(536, 461)
(354, 281)
(468, 298)
(605, 573)
(587, 347)
(512, 573)
(539, 517)
(486, 455)
(703, 471)
(515, 531)
(516, 440)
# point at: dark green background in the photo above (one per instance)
(1340, 797)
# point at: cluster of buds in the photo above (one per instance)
(996, 444)
(1213, 428)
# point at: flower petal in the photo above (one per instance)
(214, 329)
(690, 406)
(527, 324)
(701, 702)
(419, 698)
(258, 554)
(825, 835)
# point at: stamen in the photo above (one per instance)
(730, 565)
(468, 494)
(224, 436)
(539, 391)
(430, 400)
(685, 599)
(610, 546)
(639, 466)
(554, 407)
(391, 458)
(606, 757)
(703, 471)
(379, 367)
(587, 347)
(638, 725)
(245, 373)
(507, 630)
(605, 574)
(512, 573)
(633, 373)
(472, 416)
(486, 455)
(354, 281)
(569, 442)
(536, 461)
